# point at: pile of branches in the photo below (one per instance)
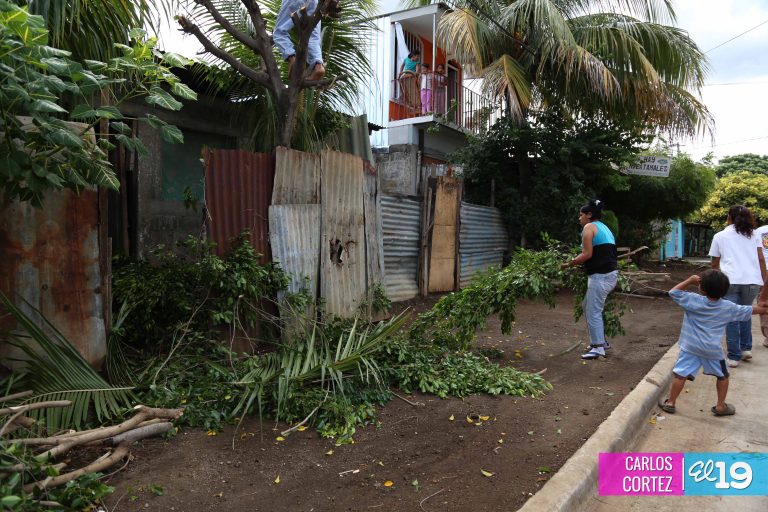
(36, 458)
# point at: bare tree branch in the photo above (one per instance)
(324, 82)
(98, 465)
(265, 39)
(234, 32)
(259, 77)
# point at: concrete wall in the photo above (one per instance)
(168, 169)
(397, 170)
(397, 165)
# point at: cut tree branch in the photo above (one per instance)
(265, 39)
(34, 406)
(98, 465)
(234, 32)
(22, 394)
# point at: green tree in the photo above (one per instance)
(50, 106)
(745, 188)
(90, 28)
(284, 104)
(745, 162)
(619, 59)
(569, 161)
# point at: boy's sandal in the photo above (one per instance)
(667, 407)
(729, 410)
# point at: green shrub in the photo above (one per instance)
(197, 285)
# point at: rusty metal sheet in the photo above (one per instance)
(374, 252)
(483, 240)
(238, 189)
(342, 245)
(401, 232)
(52, 260)
(442, 254)
(297, 177)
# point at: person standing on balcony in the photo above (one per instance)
(427, 81)
(438, 96)
(408, 78)
(282, 38)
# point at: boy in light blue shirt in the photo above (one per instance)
(701, 335)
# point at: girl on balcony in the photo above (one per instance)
(408, 78)
(438, 96)
(427, 81)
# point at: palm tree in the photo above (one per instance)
(90, 28)
(620, 58)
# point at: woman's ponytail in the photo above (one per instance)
(742, 220)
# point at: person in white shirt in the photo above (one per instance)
(762, 233)
(737, 251)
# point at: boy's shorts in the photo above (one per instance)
(688, 365)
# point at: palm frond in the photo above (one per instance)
(89, 28)
(55, 370)
(507, 77)
(118, 366)
(318, 362)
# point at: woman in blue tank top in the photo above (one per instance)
(598, 255)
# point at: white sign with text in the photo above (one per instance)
(651, 166)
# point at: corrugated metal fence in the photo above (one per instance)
(483, 240)
(238, 190)
(401, 222)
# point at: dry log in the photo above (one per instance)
(144, 415)
(99, 465)
(16, 396)
(139, 433)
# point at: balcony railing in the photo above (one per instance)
(443, 100)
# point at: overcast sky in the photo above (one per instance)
(737, 90)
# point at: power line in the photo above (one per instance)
(736, 37)
(734, 83)
(724, 143)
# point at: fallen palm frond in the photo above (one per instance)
(118, 366)
(56, 371)
(316, 361)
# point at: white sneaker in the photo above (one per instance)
(746, 355)
(732, 363)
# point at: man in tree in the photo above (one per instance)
(282, 37)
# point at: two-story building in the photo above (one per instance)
(423, 117)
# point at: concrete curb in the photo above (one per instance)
(577, 479)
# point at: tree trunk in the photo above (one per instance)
(524, 166)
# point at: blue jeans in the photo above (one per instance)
(284, 24)
(738, 335)
(598, 288)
